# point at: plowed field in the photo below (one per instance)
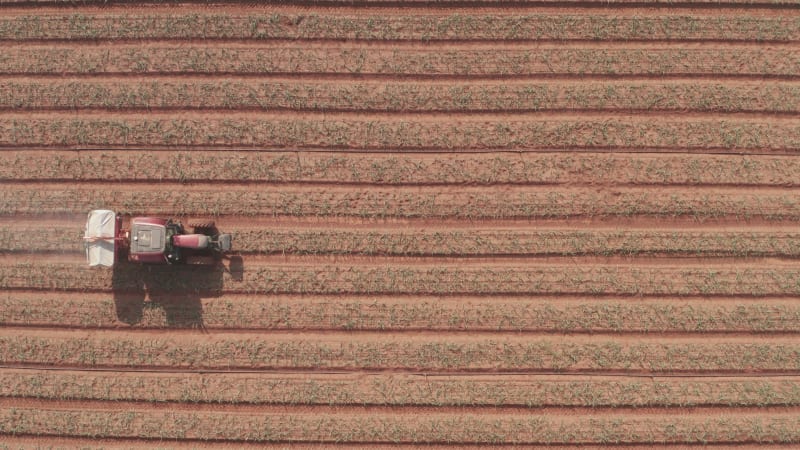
(471, 223)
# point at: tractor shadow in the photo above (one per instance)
(176, 290)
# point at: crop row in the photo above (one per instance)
(387, 428)
(58, 240)
(389, 351)
(504, 242)
(400, 279)
(744, 61)
(455, 242)
(398, 27)
(400, 390)
(399, 96)
(470, 133)
(397, 168)
(391, 313)
(374, 203)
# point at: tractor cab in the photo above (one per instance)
(151, 241)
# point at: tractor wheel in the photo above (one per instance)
(201, 227)
(201, 224)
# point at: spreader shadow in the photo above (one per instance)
(177, 290)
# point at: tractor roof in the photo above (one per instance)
(147, 238)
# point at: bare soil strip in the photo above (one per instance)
(466, 4)
(183, 9)
(345, 340)
(533, 261)
(367, 409)
(34, 442)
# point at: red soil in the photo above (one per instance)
(576, 226)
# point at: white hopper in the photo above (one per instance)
(99, 237)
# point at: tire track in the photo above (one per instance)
(335, 4)
(400, 410)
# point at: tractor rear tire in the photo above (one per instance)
(201, 224)
(202, 227)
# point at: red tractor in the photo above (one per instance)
(150, 240)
